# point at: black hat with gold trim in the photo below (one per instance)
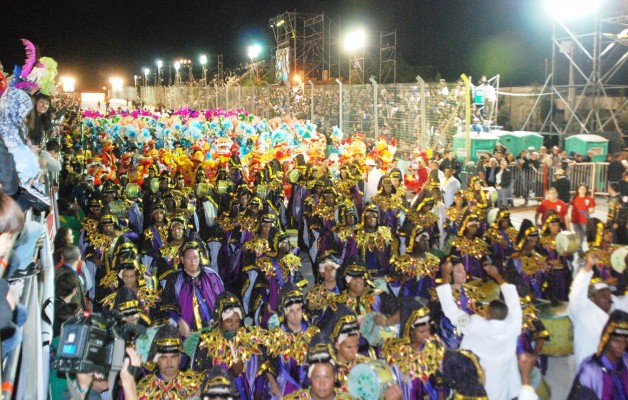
(412, 314)
(94, 202)
(526, 230)
(502, 214)
(165, 341)
(595, 232)
(385, 179)
(320, 350)
(194, 242)
(108, 218)
(218, 384)
(395, 174)
(339, 323)
(226, 304)
(355, 268)
(617, 325)
(463, 373)
(468, 219)
(244, 189)
(425, 204)
(549, 219)
(370, 208)
(289, 295)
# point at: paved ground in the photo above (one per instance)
(561, 370)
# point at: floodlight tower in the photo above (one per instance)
(354, 44)
(585, 80)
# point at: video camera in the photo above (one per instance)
(94, 343)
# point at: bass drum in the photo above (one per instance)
(558, 324)
(618, 259)
(369, 381)
(491, 193)
(567, 242)
(492, 216)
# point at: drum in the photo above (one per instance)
(369, 329)
(154, 185)
(492, 215)
(567, 242)
(491, 193)
(369, 381)
(262, 191)
(618, 259)
(132, 191)
(294, 175)
(558, 324)
(117, 208)
(223, 186)
(202, 189)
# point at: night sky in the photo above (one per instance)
(95, 39)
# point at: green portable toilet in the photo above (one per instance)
(519, 140)
(584, 143)
(481, 143)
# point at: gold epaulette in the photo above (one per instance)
(373, 240)
(387, 202)
(530, 265)
(417, 267)
(476, 247)
(411, 363)
(318, 298)
(246, 343)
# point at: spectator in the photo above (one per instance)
(72, 262)
(450, 185)
(562, 185)
(64, 237)
(552, 204)
(491, 171)
(503, 181)
(9, 181)
(616, 169)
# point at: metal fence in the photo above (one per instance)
(419, 115)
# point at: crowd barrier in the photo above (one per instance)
(532, 183)
(25, 370)
(417, 114)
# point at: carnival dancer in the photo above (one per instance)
(470, 248)
(321, 294)
(388, 204)
(155, 236)
(166, 380)
(599, 237)
(321, 372)
(527, 268)
(561, 264)
(502, 237)
(455, 213)
(265, 278)
(190, 294)
(417, 267)
(374, 242)
(323, 221)
(231, 346)
(288, 371)
(340, 324)
(169, 261)
(421, 217)
(605, 373)
(348, 188)
(416, 354)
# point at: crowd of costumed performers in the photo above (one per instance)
(197, 224)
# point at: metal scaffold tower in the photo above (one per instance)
(388, 57)
(588, 79)
(319, 58)
(288, 29)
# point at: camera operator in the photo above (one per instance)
(92, 386)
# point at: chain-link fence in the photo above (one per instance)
(420, 115)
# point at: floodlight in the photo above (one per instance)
(571, 9)
(116, 83)
(254, 50)
(67, 83)
(355, 40)
(177, 65)
(203, 59)
(160, 64)
(146, 71)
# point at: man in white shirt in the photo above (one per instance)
(449, 186)
(590, 302)
(494, 338)
(373, 175)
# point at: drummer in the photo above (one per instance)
(559, 277)
(502, 236)
(416, 354)
(599, 237)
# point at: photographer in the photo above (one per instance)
(91, 386)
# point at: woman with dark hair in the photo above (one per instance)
(582, 206)
(63, 238)
(42, 120)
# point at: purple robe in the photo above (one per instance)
(595, 373)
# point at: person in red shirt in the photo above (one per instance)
(582, 206)
(552, 203)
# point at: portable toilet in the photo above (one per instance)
(481, 143)
(519, 140)
(582, 144)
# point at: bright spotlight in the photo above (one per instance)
(203, 59)
(254, 50)
(67, 83)
(177, 65)
(571, 9)
(160, 64)
(297, 79)
(355, 40)
(116, 83)
(146, 71)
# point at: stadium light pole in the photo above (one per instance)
(253, 51)
(160, 64)
(563, 10)
(355, 41)
(146, 72)
(177, 66)
(67, 84)
(203, 60)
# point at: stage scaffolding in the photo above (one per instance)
(320, 58)
(583, 91)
